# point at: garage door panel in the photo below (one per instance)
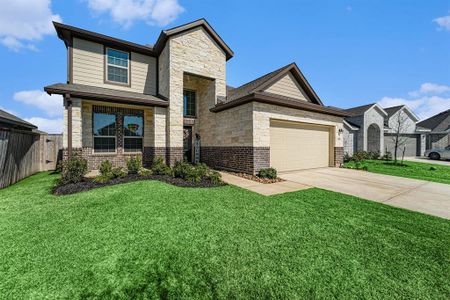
(296, 146)
(410, 143)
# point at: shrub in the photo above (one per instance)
(159, 167)
(373, 155)
(358, 165)
(215, 177)
(269, 173)
(105, 167)
(73, 170)
(347, 157)
(118, 172)
(188, 172)
(145, 172)
(387, 156)
(181, 169)
(360, 155)
(365, 167)
(103, 178)
(134, 164)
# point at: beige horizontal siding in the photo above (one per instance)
(289, 87)
(89, 68)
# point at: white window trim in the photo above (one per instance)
(128, 83)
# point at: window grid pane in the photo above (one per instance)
(117, 68)
(104, 128)
(104, 144)
(189, 103)
(132, 144)
(117, 74)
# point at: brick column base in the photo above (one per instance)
(174, 154)
(338, 156)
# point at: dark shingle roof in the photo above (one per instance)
(351, 123)
(105, 94)
(8, 118)
(359, 110)
(252, 86)
(436, 120)
(392, 110)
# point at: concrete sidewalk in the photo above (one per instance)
(428, 161)
(261, 188)
(418, 195)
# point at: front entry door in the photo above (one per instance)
(187, 143)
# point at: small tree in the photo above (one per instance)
(399, 128)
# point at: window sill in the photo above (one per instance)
(132, 153)
(104, 153)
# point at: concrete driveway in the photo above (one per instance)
(422, 196)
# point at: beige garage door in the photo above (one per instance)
(297, 146)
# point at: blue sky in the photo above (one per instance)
(352, 52)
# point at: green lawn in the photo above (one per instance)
(414, 170)
(149, 239)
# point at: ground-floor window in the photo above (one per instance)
(132, 133)
(116, 127)
(104, 132)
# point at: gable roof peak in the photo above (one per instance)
(166, 34)
(261, 83)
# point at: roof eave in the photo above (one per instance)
(285, 102)
(106, 98)
(66, 32)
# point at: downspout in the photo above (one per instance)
(69, 125)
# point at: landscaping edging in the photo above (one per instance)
(256, 178)
(89, 184)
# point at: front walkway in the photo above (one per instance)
(418, 195)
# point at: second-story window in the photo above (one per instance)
(117, 66)
(189, 107)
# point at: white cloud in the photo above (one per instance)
(23, 22)
(125, 12)
(443, 22)
(430, 88)
(51, 105)
(47, 125)
(424, 102)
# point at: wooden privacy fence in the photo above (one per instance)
(23, 153)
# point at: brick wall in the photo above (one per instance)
(241, 159)
(120, 159)
(338, 156)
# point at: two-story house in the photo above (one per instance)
(171, 100)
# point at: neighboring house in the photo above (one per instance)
(373, 128)
(10, 121)
(438, 127)
(402, 121)
(122, 99)
(363, 129)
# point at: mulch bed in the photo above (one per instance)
(256, 178)
(88, 184)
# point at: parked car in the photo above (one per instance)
(438, 153)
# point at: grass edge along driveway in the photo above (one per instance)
(414, 170)
(149, 239)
